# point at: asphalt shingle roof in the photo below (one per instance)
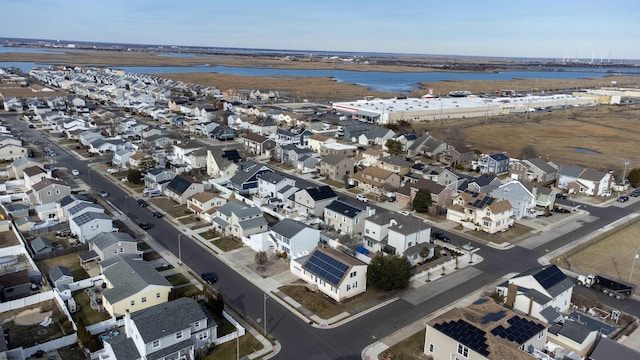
(288, 228)
(130, 276)
(344, 209)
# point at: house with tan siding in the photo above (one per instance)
(480, 212)
(377, 181)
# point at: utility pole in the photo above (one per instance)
(624, 174)
(179, 249)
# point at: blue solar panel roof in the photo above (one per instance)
(466, 334)
(520, 330)
(326, 267)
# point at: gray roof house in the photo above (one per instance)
(132, 285)
(171, 330)
(543, 292)
(181, 187)
(41, 245)
(346, 218)
(394, 233)
(60, 276)
(245, 180)
(534, 169)
(522, 201)
(240, 220)
(294, 238)
(584, 181)
(109, 244)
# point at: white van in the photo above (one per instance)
(154, 193)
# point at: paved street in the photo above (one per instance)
(246, 291)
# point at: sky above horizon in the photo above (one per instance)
(546, 29)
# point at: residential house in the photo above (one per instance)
(523, 202)
(245, 180)
(240, 220)
(109, 244)
(48, 190)
(337, 167)
(480, 212)
(377, 181)
(41, 245)
(14, 285)
(406, 140)
(270, 182)
(542, 292)
(181, 187)
(158, 178)
(196, 159)
(484, 330)
(576, 336)
(170, 330)
(370, 157)
(434, 147)
(263, 127)
(606, 349)
(132, 285)
(159, 141)
(60, 276)
(33, 175)
(290, 154)
(376, 136)
(294, 238)
(495, 164)
(545, 197)
(68, 202)
(12, 151)
(257, 144)
(441, 196)
(335, 274)
(121, 157)
(220, 167)
(584, 181)
(47, 212)
(90, 224)
(180, 151)
(338, 149)
(481, 184)
(353, 131)
(141, 161)
(102, 146)
(87, 137)
(16, 169)
(458, 156)
(534, 169)
(316, 141)
(314, 200)
(395, 163)
(397, 234)
(204, 204)
(418, 145)
(346, 218)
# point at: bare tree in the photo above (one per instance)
(528, 152)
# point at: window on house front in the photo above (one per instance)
(133, 303)
(156, 344)
(431, 347)
(203, 335)
(157, 295)
(179, 335)
(144, 299)
(353, 274)
(463, 350)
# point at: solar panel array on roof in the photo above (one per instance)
(520, 330)
(480, 301)
(549, 276)
(467, 334)
(481, 203)
(493, 316)
(326, 267)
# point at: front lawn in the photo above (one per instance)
(326, 308)
(227, 243)
(410, 348)
(177, 279)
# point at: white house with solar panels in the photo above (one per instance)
(484, 330)
(337, 275)
(88, 225)
(543, 292)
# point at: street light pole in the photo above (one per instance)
(179, 249)
(264, 324)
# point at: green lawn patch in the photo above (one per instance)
(325, 308)
(333, 183)
(150, 256)
(227, 243)
(177, 279)
(248, 345)
(410, 348)
(88, 315)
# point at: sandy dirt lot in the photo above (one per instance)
(611, 132)
(612, 256)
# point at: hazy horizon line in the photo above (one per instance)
(564, 58)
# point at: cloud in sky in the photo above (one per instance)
(497, 28)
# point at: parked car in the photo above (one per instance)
(405, 213)
(561, 210)
(561, 196)
(31, 126)
(623, 198)
(75, 172)
(439, 235)
(209, 277)
(391, 199)
(157, 214)
(112, 170)
(635, 193)
(104, 194)
(362, 198)
(142, 203)
(144, 226)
